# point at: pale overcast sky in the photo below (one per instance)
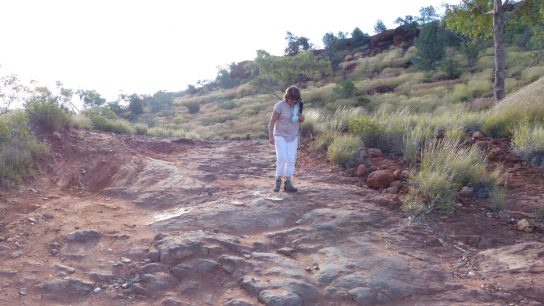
(127, 46)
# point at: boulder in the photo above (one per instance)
(380, 179)
(361, 170)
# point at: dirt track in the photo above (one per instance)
(118, 220)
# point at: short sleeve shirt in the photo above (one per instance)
(284, 126)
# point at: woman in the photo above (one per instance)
(283, 132)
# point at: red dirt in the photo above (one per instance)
(66, 194)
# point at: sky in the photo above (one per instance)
(143, 46)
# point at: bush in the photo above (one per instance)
(18, 148)
(46, 116)
(346, 151)
(192, 107)
(227, 104)
(368, 128)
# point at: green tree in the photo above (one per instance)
(275, 73)
(335, 47)
(359, 38)
(160, 100)
(488, 18)
(295, 44)
(427, 14)
(430, 46)
(10, 92)
(136, 104)
(345, 89)
(90, 98)
(116, 107)
(379, 27)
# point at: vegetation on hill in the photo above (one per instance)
(416, 92)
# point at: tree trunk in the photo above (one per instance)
(500, 66)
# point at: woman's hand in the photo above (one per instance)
(271, 140)
(301, 119)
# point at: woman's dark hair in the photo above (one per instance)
(292, 93)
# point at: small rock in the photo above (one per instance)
(309, 269)
(23, 291)
(16, 254)
(97, 290)
(471, 273)
(361, 170)
(466, 190)
(373, 152)
(481, 145)
(125, 260)
(478, 135)
(64, 268)
(285, 251)
(524, 226)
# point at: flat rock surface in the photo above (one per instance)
(120, 220)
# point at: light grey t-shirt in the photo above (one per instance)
(284, 126)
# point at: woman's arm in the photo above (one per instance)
(273, 119)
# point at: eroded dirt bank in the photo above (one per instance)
(118, 220)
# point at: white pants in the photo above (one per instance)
(286, 155)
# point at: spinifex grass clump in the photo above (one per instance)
(528, 141)
(446, 166)
(524, 105)
(346, 151)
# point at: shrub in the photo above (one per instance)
(18, 148)
(192, 107)
(346, 151)
(345, 89)
(227, 104)
(366, 127)
(46, 116)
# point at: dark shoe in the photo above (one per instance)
(288, 187)
(278, 185)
